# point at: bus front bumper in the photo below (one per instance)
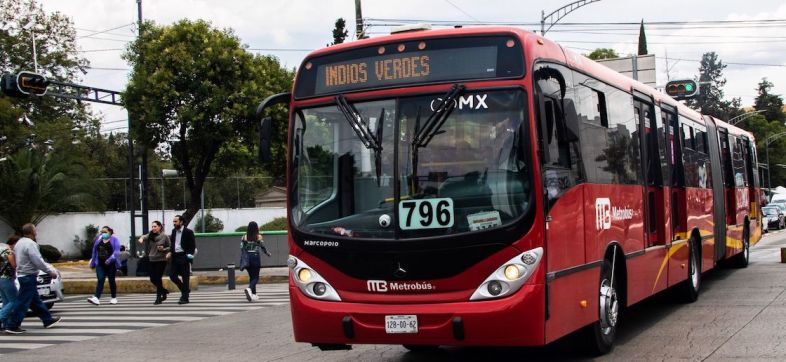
(517, 320)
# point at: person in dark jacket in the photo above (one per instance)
(251, 248)
(106, 261)
(157, 246)
(184, 248)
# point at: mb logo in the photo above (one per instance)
(377, 286)
(602, 213)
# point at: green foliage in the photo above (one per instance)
(710, 100)
(199, 84)
(243, 228)
(50, 253)
(602, 53)
(762, 129)
(35, 185)
(339, 32)
(212, 224)
(85, 245)
(279, 223)
(771, 104)
(642, 40)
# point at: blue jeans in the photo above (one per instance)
(9, 294)
(28, 299)
(253, 271)
(102, 272)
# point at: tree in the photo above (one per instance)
(38, 184)
(339, 32)
(710, 100)
(194, 90)
(642, 40)
(771, 104)
(602, 53)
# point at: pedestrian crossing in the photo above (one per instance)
(83, 321)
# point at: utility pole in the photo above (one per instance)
(143, 166)
(359, 21)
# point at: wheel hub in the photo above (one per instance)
(609, 306)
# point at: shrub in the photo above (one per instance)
(50, 253)
(243, 228)
(85, 245)
(279, 223)
(212, 224)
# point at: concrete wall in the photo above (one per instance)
(59, 230)
(215, 251)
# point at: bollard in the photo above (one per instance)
(783, 255)
(231, 276)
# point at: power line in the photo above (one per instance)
(649, 34)
(281, 49)
(461, 10)
(104, 31)
(99, 50)
(107, 33)
(105, 68)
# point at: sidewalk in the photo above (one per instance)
(78, 278)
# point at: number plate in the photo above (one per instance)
(425, 214)
(401, 324)
(43, 291)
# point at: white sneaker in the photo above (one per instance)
(113, 301)
(93, 300)
(247, 291)
(254, 297)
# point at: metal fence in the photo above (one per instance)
(172, 194)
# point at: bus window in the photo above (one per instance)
(558, 123)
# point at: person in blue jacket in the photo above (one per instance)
(106, 261)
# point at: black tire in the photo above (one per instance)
(689, 290)
(742, 259)
(421, 349)
(603, 332)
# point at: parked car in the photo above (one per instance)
(776, 218)
(49, 289)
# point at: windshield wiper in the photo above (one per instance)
(432, 127)
(363, 131)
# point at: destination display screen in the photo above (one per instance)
(413, 62)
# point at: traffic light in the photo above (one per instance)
(24, 84)
(682, 89)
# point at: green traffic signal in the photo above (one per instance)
(682, 89)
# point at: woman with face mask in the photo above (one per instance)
(157, 246)
(105, 260)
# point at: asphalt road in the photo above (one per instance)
(740, 315)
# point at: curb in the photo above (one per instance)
(127, 285)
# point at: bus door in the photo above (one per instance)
(677, 198)
(729, 181)
(655, 210)
(750, 167)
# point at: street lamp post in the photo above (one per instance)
(767, 143)
(164, 174)
(743, 117)
(557, 15)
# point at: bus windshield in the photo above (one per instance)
(472, 174)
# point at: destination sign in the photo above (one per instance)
(441, 60)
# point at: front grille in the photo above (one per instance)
(46, 279)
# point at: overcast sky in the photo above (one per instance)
(287, 29)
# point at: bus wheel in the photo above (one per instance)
(690, 288)
(604, 331)
(421, 349)
(741, 260)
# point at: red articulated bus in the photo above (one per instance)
(486, 186)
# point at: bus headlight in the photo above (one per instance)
(310, 282)
(510, 276)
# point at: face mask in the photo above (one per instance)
(105, 236)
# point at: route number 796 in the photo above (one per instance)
(425, 214)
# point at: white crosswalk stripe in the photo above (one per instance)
(82, 321)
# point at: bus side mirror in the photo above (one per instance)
(266, 125)
(265, 132)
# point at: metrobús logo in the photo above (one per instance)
(605, 213)
(382, 286)
(321, 243)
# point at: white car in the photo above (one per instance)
(49, 289)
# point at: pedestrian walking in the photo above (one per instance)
(185, 246)
(251, 248)
(8, 291)
(157, 246)
(28, 263)
(106, 261)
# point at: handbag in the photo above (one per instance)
(243, 259)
